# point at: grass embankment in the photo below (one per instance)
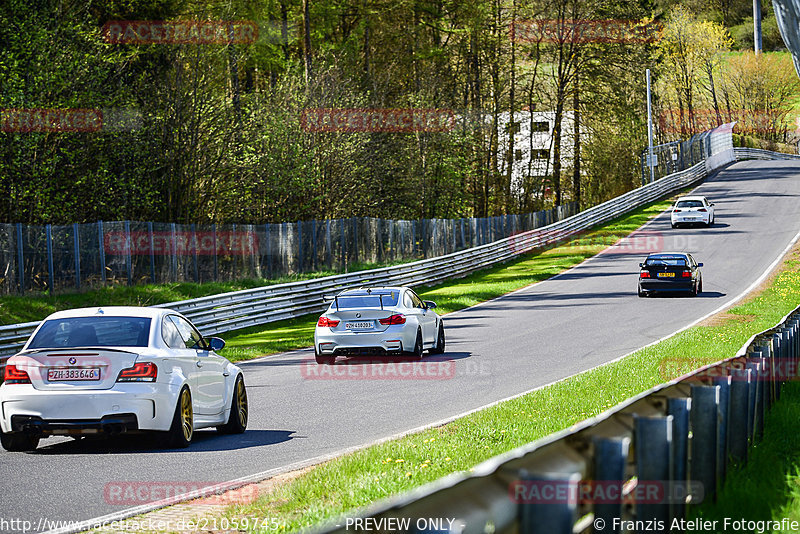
(359, 479)
(297, 333)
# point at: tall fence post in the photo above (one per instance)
(300, 258)
(102, 249)
(151, 238)
(173, 249)
(77, 249)
(49, 238)
(128, 258)
(20, 259)
(194, 254)
(328, 245)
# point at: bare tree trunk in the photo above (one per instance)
(307, 41)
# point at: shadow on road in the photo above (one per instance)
(204, 441)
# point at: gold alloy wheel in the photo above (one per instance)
(187, 417)
(241, 401)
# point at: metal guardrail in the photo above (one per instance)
(647, 459)
(757, 153)
(225, 312)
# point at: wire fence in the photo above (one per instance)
(69, 257)
(680, 155)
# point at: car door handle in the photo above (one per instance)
(199, 364)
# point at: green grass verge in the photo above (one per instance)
(767, 487)
(358, 479)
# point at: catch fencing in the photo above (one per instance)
(51, 257)
(226, 312)
(648, 460)
(680, 155)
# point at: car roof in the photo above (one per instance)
(668, 255)
(693, 197)
(372, 290)
(111, 311)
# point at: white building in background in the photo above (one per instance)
(533, 144)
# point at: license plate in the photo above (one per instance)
(666, 275)
(83, 373)
(363, 325)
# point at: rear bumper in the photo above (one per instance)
(109, 424)
(149, 406)
(393, 340)
(700, 218)
(666, 286)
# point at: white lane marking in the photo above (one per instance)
(264, 475)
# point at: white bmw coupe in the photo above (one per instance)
(119, 369)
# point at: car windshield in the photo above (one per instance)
(92, 332)
(690, 204)
(666, 260)
(373, 300)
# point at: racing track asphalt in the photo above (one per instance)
(587, 316)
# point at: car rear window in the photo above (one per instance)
(344, 302)
(92, 332)
(689, 204)
(680, 262)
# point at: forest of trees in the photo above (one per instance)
(214, 132)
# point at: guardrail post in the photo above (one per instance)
(724, 384)
(752, 400)
(653, 446)
(555, 517)
(739, 409)
(704, 419)
(49, 238)
(21, 259)
(610, 461)
(102, 251)
(77, 252)
(678, 408)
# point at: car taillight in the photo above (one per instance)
(12, 375)
(397, 318)
(140, 372)
(325, 321)
(686, 274)
(644, 274)
(703, 210)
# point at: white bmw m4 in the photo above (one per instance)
(119, 369)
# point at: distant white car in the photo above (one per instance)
(692, 210)
(378, 320)
(119, 369)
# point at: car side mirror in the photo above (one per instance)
(700, 264)
(215, 343)
(641, 265)
(429, 304)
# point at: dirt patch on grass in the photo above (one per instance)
(725, 316)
